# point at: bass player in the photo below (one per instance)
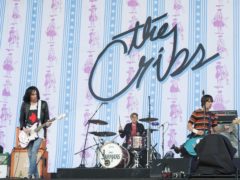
(202, 122)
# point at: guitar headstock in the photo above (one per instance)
(61, 116)
(236, 121)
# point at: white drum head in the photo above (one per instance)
(110, 155)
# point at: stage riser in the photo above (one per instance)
(103, 173)
(175, 165)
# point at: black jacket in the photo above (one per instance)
(25, 110)
(127, 130)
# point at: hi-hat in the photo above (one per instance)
(103, 133)
(97, 121)
(148, 119)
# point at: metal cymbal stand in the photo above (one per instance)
(149, 159)
(83, 160)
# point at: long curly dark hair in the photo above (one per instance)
(28, 92)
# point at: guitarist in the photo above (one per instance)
(201, 122)
(33, 110)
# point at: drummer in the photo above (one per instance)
(131, 129)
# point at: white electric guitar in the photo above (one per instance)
(25, 138)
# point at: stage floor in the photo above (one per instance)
(179, 169)
(121, 173)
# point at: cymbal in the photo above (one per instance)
(152, 130)
(97, 121)
(103, 133)
(148, 119)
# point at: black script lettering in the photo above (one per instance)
(151, 33)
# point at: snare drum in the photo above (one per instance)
(138, 142)
(112, 155)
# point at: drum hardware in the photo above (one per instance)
(98, 122)
(101, 141)
(115, 138)
(153, 130)
(103, 133)
(136, 163)
(86, 149)
(155, 155)
(98, 150)
(148, 119)
(149, 152)
(83, 159)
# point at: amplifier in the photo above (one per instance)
(226, 116)
(20, 163)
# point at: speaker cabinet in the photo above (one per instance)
(20, 163)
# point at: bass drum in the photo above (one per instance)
(111, 155)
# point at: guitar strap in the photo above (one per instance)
(27, 107)
(209, 123)
(39, 112)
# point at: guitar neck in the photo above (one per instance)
(44, 125)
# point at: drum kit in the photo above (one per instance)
(139, 153)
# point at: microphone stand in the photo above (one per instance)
(83, 160)
(163, 140)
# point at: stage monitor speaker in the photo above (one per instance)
(20, 163)
(178, 167)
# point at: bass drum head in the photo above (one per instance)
(112, 155)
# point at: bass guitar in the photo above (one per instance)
(190, 144)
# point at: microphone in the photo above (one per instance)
(104, 102)
(203, 92)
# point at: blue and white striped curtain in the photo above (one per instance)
(53, 44)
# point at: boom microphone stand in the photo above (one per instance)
(83, 160)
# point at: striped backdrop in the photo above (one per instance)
(53, 44)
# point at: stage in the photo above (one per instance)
(132, 79)
(115, 174)
(174, 168)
